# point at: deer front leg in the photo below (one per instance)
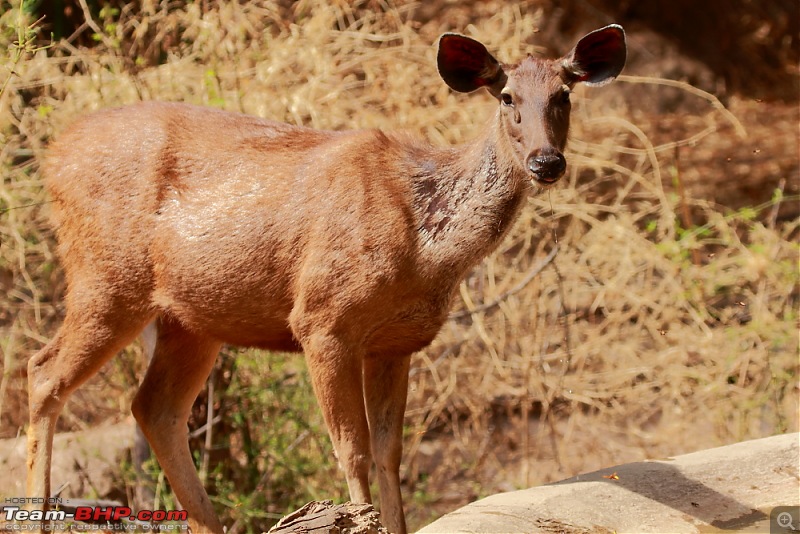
(335, 370)
(386, 389)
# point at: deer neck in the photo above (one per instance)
(467, 200)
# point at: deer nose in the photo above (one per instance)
(547, 165)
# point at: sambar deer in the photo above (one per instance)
(345, 245)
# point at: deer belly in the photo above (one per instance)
(238, 310)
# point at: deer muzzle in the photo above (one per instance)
(547, 166)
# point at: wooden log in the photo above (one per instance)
(324, 517)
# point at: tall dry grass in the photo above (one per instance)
(663, 323)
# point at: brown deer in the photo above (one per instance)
(347, 246)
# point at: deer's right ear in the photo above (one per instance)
(465, 65)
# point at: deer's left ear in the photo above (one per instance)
(598, 57)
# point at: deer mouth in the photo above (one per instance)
(547, 179)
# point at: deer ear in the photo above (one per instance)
(465, 65)
(598, 57)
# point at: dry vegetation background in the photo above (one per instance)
(667, 321)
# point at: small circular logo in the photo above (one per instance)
(785, 520)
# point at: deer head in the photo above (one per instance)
(533, 95)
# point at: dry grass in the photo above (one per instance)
(664, 324)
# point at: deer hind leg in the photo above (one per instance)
(180, 365)
(87, 339)
(385, 389)
(335, 370)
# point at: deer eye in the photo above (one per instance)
(506, 98)
(565, 92)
